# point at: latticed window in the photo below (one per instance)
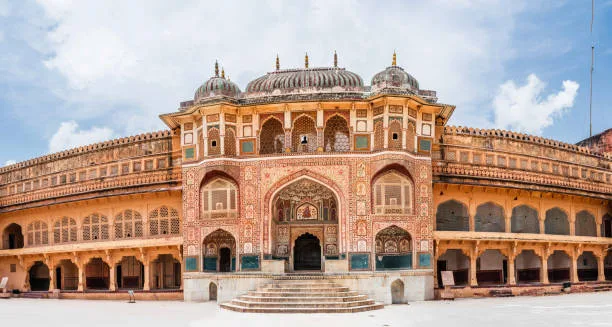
(38, 233)
(271, 137)
(219, 199)
(230, 142)
(164, 221)
(379, 135)
(304, 135)
(394, 141)
(128, 224)
(393, 194)
(336, 135)
(214, 146)
(410, 136)
(95, 227)
(65, 230)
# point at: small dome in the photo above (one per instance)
(217, 86)
(394, 77)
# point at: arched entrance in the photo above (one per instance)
(397, 292)
(39, 277)
(66, 275)
(219, 252)
(307, 253)
(304, 224)
(97, 275)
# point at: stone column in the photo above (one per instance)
(601, 269)
(473, 279)
(574, 269)
(222, 132)
(544, 270)
(542, 226)
(511, 280)
(508, 220)
(146, 285)
(288, 140)
(112, 282)
(51, 278)
(81, 287)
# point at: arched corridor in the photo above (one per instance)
(559, 264)
(454, 260)
(66, 276)
(528, 267)
(491, 268)
(97, 275)
(130, 273)
(587, 267)
(166, 272)
(39, 277)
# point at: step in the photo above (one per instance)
(286, 299)
(233, 307)
(306, 304)
(304, 289)
(301, 285)
(304, 294)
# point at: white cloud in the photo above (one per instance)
(69, 135)
(5, 8)
(10, 162)
(523, 107)
(124, 68)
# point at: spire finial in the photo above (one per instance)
(335, 59)
(216, 68)
(222, 72)
(277, 62)
(306, 60)
(394, 62)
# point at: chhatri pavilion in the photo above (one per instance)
(309, 181)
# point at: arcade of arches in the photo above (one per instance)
(503, 238)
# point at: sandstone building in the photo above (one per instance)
(308, 170)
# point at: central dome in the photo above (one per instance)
(306, 80)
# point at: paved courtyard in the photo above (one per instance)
(594, 309)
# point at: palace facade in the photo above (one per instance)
(309, 172)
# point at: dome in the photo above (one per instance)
(394, 77)
(217, 86)
(307, 80)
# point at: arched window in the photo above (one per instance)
(304, 135)
(393, 194)
(336, 135)
(489, 218)
(214, 142)
(525, 220)
(452, 216)
(394, 140)
(271, 137)
(38, 233)
(585, 224)
(556, 222)
(218, 198)
(230, 141)
(164, 221)
(65, 230)
(128, 224)
(95, 227)
(379, 135)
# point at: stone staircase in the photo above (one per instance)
(302, 294)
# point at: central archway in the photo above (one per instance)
(307, 253)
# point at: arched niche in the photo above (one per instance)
(452, 215)
(219, 249)
(525, 220)
(393, 249)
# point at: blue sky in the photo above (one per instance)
(77, 72)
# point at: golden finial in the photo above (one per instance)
(222, 72)
(394, 62)
(335, 59)
(216, 68)
(306, 61)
